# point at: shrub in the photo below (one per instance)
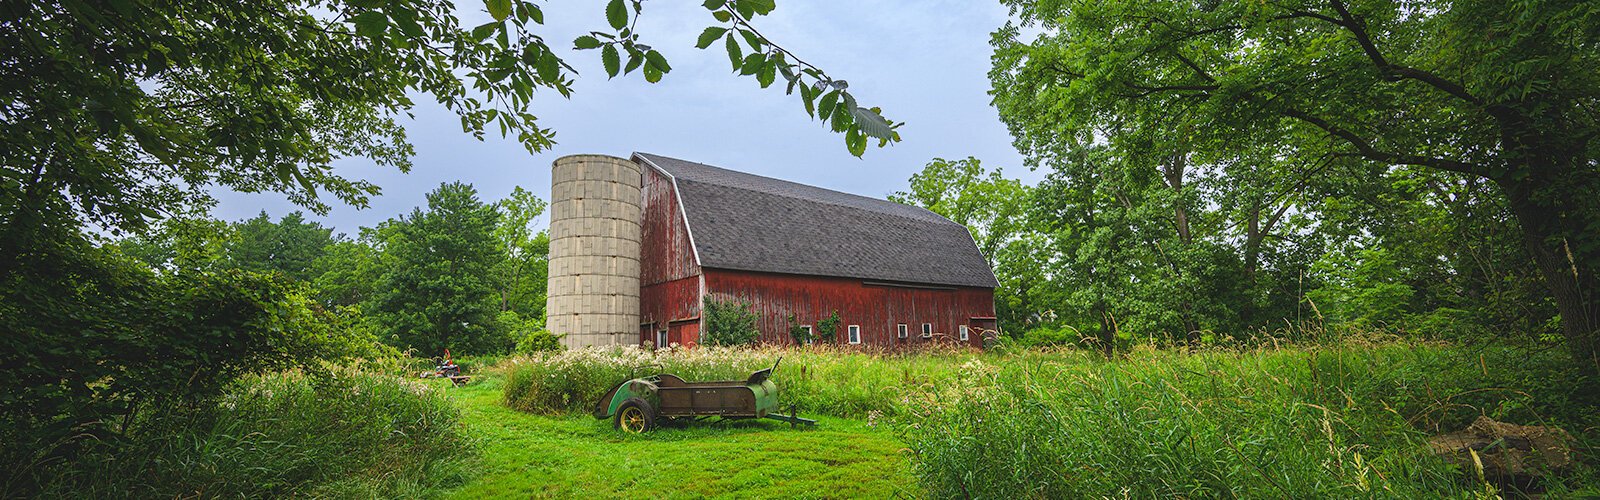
(828, 328)
(93, 336)
(799, 332)
(530, 334)
(729, 322)
(345, 433)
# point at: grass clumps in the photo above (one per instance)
(830, 381)
(341, 434)
(1320, 421)
(1317, 423)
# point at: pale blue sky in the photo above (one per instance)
(925, 62)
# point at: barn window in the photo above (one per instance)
(905, 332)
(661, 337)
(809, 337)
(855, 334)
(964, 333)
(927, 330)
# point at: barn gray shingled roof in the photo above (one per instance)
(753, 223)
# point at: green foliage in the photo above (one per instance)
(347, 272)
(729, 322)
(995, 210)
(1048, 336)
(800, 334)
(524, 273)
(180, 98)
(185, 243)
(288, 246)
(828, 328)
(342, 433)
(1330, 423)
(437, 290)
(92, 335)
(530, 333)
(1193, 140)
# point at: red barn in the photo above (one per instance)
(897, 275)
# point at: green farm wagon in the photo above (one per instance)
(637, 405)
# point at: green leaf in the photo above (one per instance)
(856, 142)
(635, 58)
(655, 59)
(768, 73)
(734, 54)
(752, 63)
(612, 61)
(873, 124)
(371, 23)
(755, 41)
(498, 9)
(617, 14)
(651, 74)
(715, 4)
(840, 119)
(484, 31)
(722, 15)
(586, 42)
(155, 61)
(829, 101)
(549, 68)
(761, 7)
(406, 20)
(710, 36)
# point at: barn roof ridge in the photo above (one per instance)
(886, 207)
(738, 220)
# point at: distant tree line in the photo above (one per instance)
(458, 274)
(1108, 250)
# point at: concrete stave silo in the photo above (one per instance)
(593, 295)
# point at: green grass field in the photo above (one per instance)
(523, 455)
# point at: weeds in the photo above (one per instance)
(344, 434)
(1327, 419)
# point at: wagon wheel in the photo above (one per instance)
(635, 416)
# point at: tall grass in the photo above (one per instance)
(838, 382)
(341, 434)
(1319, 423)
(1326, 420)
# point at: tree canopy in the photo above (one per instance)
(1276, 99)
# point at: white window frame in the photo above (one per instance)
(904, 329)
(927, 330)
(811, 334)
(661, 338)
(854, 331)
(964, 332)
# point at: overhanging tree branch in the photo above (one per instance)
(1364, 149)
(1390, 70)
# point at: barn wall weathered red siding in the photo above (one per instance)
(876, 308)
(669, 292)
(665, 253)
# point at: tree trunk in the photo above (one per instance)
(1173, 171)
(1557, 228)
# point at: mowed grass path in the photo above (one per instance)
(523, 455)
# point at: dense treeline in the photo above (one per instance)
(1108, 252)
(458, 274)
(1219, 168)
